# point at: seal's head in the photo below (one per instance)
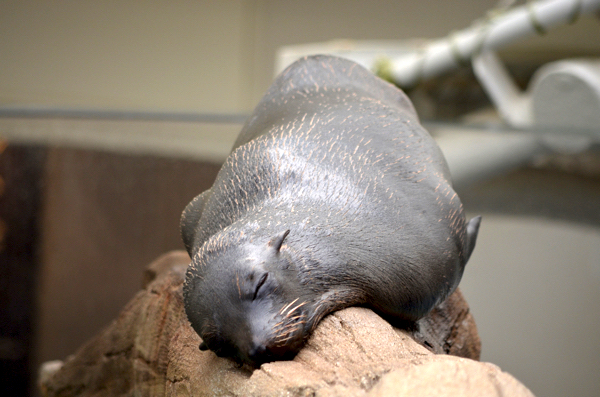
(240, 298)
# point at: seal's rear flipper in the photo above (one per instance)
(472, 230)
(190, 218)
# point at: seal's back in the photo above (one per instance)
(336, 159)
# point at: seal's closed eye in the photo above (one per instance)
(260, 284)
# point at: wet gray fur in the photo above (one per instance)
(333, 195)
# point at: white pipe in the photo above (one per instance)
(513, 105)
(458, 48)
(474, 156)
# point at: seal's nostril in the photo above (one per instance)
(256, 352)
(260, 284)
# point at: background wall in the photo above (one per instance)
(218, 56)
(203, 55)
(184, 55)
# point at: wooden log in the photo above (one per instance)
(151, 350)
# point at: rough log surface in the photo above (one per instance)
(151, 350)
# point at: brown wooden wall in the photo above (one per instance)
(106, 216)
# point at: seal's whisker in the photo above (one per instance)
(289, 328)
(296, 308)
(284, 337)
(285, 329)
(287, 306)
(283, 341)
(283, 333)
(292, 320)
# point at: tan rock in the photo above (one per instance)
(151, 350)
(443, 376)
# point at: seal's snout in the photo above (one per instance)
(274, 333)
(269, 351)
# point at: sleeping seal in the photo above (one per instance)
(333, 195)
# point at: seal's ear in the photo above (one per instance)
(472, 231)
(277, 241)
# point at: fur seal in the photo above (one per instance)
(333, 195)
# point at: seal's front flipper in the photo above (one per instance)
(472, 231)
(190, 218)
